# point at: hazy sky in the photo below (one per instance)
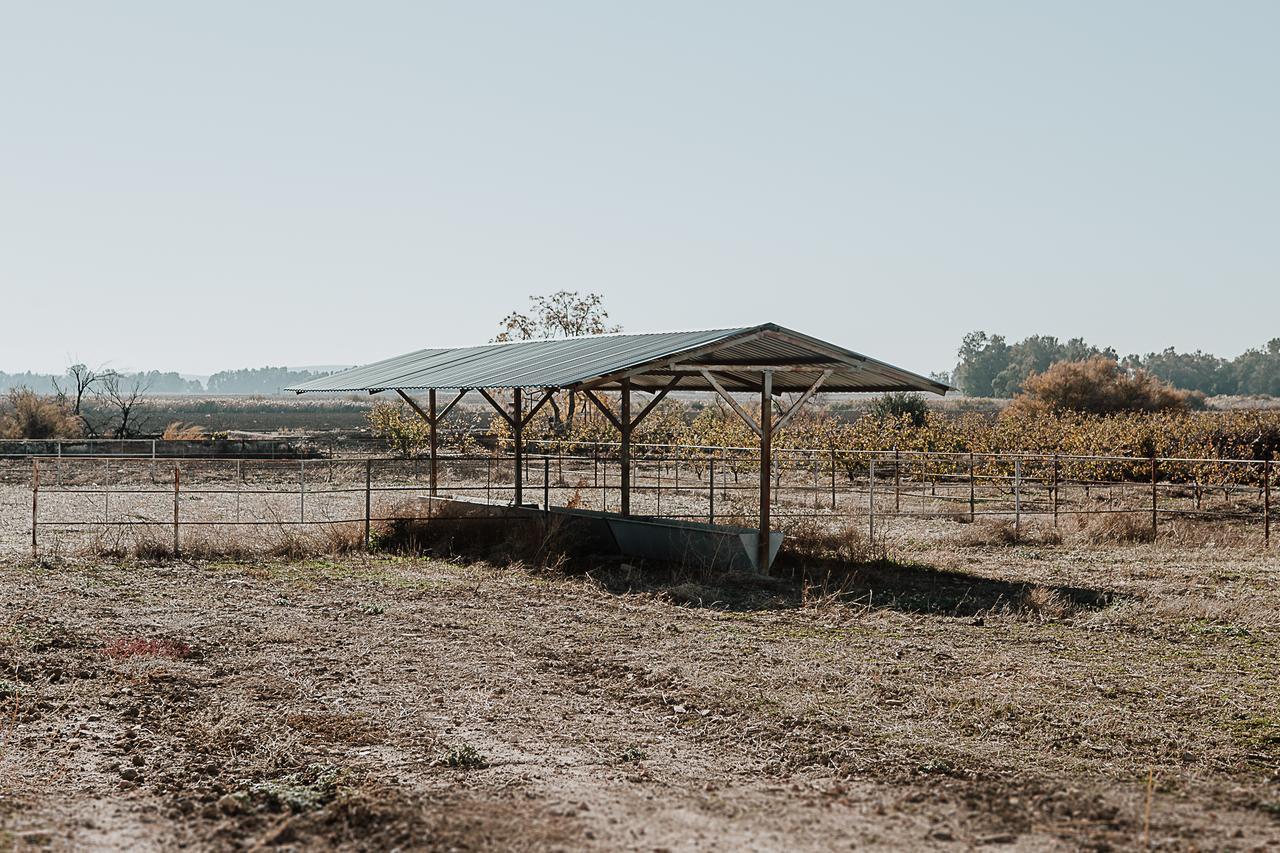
(196, 186)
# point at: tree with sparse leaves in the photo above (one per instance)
(563, 314)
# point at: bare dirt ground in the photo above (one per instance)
(963, 696)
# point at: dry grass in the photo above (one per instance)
(1003, 531)
(1015, 696)
(154, 543)
(178, 431)
(844, 540)
(1115, 528)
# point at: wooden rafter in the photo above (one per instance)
(753, 367)
(728, 398)
(804, 398)
(524, 421)
(439, 416)
(604, 410)
(498, 407)
(657, 398)
(452, 403)
(414, 405)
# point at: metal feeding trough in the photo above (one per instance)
(687, 543)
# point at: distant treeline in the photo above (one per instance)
(989, 366)
(255, 380)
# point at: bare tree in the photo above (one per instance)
(81, 380)
(563, 314)
(124, 395)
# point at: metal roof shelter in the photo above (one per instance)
(766, 359)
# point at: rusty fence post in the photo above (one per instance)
(1055, 490)
(711, 489)
(368, 501)
(871, 498)
(833, 479)
(1017, 497)
(897, 482)
(35, 507)
(177, 488)
(1154, 509)
(1266, 503)
(973, 493)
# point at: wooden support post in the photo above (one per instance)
(624, 422)
(35, 507)
(432, 420)
(766, 464)
(368, 501)
(517, 431)
(177, 487)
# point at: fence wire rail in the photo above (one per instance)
(79, 493)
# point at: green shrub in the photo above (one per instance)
(901, 405)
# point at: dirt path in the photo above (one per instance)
(432, 705)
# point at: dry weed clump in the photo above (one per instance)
(1046, 604)
(154, 543)
(1115, 528)
(178, 431)
(842, 540)
(1003, 531)
(1191, 533)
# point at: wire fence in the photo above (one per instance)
(64, 502)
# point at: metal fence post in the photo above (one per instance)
(897, 482)
(1153, 496)
(302, 491)
(833, 479)
(546, 483)
(973, 489)
(871, 499)
(813, 462)
(368, 499)
(1017, 497)
(35, 507)
(711, 490)
(177, 480)
(1055, 490)
(662, 460)
(1266, 503)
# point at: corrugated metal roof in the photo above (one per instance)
(599, 361)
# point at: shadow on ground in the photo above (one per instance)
(902, 586)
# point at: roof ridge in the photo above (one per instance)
(610, 335)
